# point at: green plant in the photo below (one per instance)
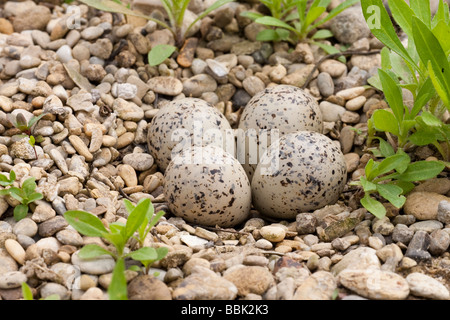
(175, 10)
(392, 178)
(422, 68)
(140, 220)
(293, 20)
(21, 124)
(26, 194)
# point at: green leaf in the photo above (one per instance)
(385, 58)
(402, 14)
(29, 185)
(117, 290)
(34, 196)
(20, 212)
(162, 252)
(85, 223)
(159, 53)
(144, 254)
(12, 175)
(17, 194)
(393, 93)
(367, 185)
(392, 193)
(91, 251)
(380, 25)
(384, 120)
(393, 162)
(421, 170)
(322, 34)
(251, 15)
(426, 92)
(421, 9)
(33, 120)
(430, 120)
(373, 206)
(128, 205)
(434, 57)
(442, 14)
(26, 292)
(268, 35)
(137, 216)
(442, 33)
(385, 148)
(271, 21)
(156, 218)
(405, 185)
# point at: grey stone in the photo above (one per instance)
(402, 234)
(350, 26)
(417, 248)
(440, 241)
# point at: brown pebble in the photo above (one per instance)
(187, 52)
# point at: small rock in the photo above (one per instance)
(375, 284)
(96, 266)
(422, 285)
(272, 233)
(249, 279)
(253, 85)
(350, 26)
(333, 68)
(427, 226)
(139, 161)
(12, 279)
(50, 227)
(165, 85)
(91, 33)
(443, 213)
(204, 284)
(331, 112)
(305, 223)
(35, 18)
(318, 286)
(383, 226)
(418, 246)
(127, 110)
(197, 85)
(325, 84)
(402, 234)
(359, 259)
(93, 294)
(423, 205)
(146, 287)
(15, 250)
(52, 288)
(440, 241)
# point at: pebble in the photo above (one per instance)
(15, 250)
(375, 284)
(427, 226)
(204, 284)
(422, 285)
(249, 279)
(325, 84)
(418, 246)
(350, 26)
(319, 286)
(91, 33)
(26, 227)
(359, 259)
(443, 213)
(253, 85)
(52, 288)
(272, 233)
(423, 205)
(331, 112)
(165, 85)
(96, 266)
(12, 279)
(199, 84)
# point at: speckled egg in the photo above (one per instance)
(301, 172)
(207, 186)
(283, 107)
(185, 122)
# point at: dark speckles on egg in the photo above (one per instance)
(308, 179)
(213, 193)
(181, 114)
(286, 108)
